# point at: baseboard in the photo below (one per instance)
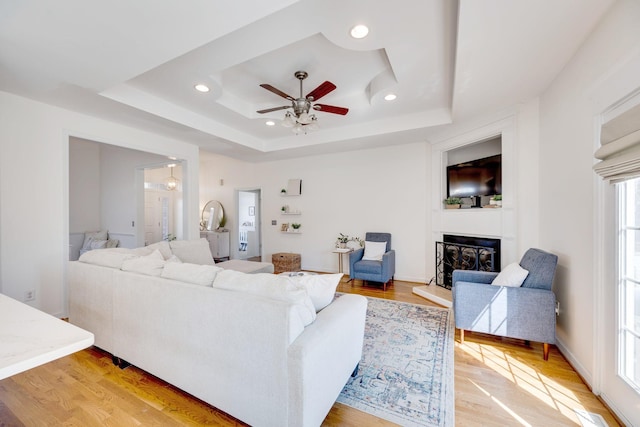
(577, 366)
(435, 294)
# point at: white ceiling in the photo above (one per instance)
(137, 62)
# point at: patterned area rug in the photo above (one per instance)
(406, 371)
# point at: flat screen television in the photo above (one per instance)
(481, 177)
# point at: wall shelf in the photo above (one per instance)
(291, 213)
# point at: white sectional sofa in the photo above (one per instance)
(252, 345)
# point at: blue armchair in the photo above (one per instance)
(375, 271)
(526, 312)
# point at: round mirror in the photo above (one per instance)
(212, 216)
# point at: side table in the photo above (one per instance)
(340, 252)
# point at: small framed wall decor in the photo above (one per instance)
(252, 211)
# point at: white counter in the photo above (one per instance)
(30, 337)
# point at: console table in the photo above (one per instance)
(32, 338)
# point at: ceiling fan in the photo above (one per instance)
(303, 104)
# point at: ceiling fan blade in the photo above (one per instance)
(268, 110)
(276, 91)
(330, 109)
(321, 90)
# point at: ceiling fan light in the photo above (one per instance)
(313, 125)
(288, 120)
(297, 129)
(359, 31)
(304, 118)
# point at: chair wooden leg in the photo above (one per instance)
(545, 350)
(461, 336)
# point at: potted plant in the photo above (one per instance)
(452, 203)
(283, 191)
(296, 226)
(341, 241)
(283, 209)
(496, 200)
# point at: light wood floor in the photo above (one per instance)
(498, 382)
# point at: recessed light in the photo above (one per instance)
(359, 31)
(202, 88)
(390, 97)
(270, 123)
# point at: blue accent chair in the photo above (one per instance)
(526, 313)
(374, 271)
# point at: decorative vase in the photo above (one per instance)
(343, 245)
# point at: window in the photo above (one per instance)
(629, 281)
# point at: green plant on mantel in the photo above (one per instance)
(497, 197)
(283, 191)
(296, 226)
(452, 201)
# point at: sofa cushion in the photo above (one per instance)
(151, 265)
(191, 273)
(512, 275)
(192, 251)
(107, 257)
(279, 288)
(320, 287)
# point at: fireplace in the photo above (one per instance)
(465, 253)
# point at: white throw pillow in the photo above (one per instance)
(373, 251)
(163, 247)
(280, 288)
(512, 275)
(191, 273)
(320, 287)
(97, 244)
(151, 265)
(93, 235)
(192, 251)
(107, 257)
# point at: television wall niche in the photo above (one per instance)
(480, 177)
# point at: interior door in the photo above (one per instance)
(153, 216)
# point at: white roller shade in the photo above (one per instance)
(619, 151)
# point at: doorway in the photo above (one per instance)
(249, 220)
(162, 203)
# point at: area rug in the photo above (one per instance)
(406, 371)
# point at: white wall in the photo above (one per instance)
(34, 166)
(380, 189)
(606, 69)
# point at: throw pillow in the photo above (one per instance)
(93, 235)
(97, 244)
(163, 247)
(280, 288)
(151, 265)
(373, 251)
(320, 287)
(193, 251)
(512, 275)
(191, 273)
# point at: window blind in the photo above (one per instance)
(619, 151)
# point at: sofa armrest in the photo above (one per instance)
(354, 257)
(323, 357)
(389, 264)
(473, 276)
